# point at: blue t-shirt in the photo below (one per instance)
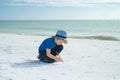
(48, 43)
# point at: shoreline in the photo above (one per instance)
(99, 37)
(95, 37)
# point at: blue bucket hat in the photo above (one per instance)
(61, 34)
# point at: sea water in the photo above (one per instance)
(73, 27)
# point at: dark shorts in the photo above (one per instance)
(55, 51)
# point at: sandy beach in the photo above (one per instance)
(84, 59)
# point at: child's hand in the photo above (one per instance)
(58, 59)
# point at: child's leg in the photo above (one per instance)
(44, 58)
(56, 50)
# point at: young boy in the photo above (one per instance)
(51, 47)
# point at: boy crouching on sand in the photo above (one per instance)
(51, 47)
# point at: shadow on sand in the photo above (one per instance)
(29, 64)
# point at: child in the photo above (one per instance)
(51, 47)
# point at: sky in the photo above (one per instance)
(59, 9)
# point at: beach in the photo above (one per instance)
(84, 59)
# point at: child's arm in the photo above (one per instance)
(48, 53)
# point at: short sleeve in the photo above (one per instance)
(50, 44)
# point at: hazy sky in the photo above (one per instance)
(59, 9)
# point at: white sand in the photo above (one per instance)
(83, 60)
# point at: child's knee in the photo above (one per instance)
(61, 47)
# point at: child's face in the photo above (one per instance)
(59, 41)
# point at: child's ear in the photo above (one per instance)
(65, 41)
